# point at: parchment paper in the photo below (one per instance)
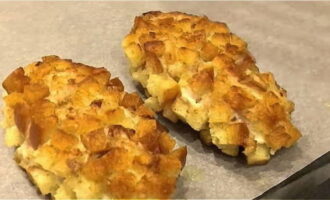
(289, 39)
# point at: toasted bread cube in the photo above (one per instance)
(85, 189)
(116, 84)
(101, 75)
(95, 169)
(237, 41)
(35, 92)
(146, 133)
(13, 137)
(220, 113)
(153, 103)
(169, 166)
(220, 39)
(166, 143)
(156, 47)
(145, 111)
(121, 185)
(95, 141)
(45, 157)
(176, 69)
(197, 117)
(188, 110)
(153, 64)
(121, 117)
(201, 82)
(22, 117)
(238, 99)
(278, 138)
(64, 192)
(231, 150)
(13, 99)
(209, 51)
(181, 154)
(132, 101)
(141, 76)
(63, 141)
(16, 81)
(259, 156)
(135, 55)
(229, 134)
(180, 108)
(163, 87)
(169, 114)
(46, 181)
(187, 56)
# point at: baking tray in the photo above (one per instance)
(289, 39)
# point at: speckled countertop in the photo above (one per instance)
(289, 39)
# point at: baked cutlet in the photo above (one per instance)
(79, 135)
(197, 71)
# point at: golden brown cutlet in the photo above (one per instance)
(79, 135)
(196, 70)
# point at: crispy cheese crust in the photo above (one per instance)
(79, 135)
(197, 71)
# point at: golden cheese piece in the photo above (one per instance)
(196, 70)
(79, 135)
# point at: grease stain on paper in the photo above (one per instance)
(192, 173)
(327, 104)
